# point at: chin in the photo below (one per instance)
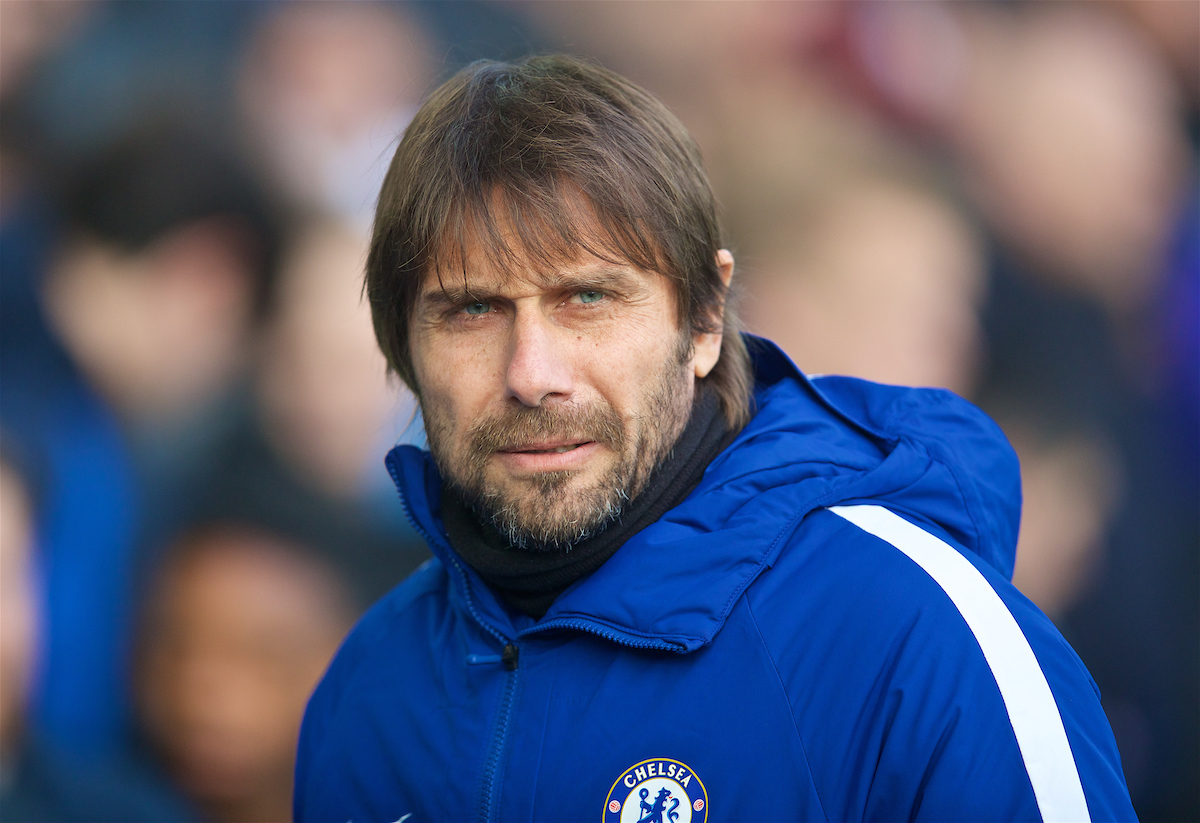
(552, 516)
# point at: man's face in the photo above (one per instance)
(548, 398)
(238, 633)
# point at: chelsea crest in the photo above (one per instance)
(659, 790)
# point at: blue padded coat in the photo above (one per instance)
(823, 630)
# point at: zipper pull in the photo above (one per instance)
(476, 659)
(509, 657)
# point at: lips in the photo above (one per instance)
(535, 458)
(527, 442)
(537, 449)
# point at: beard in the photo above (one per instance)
(552, 511)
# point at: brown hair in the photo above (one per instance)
(530, 140)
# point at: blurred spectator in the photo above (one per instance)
(306, 458)
(328, 407)
(167, 254)
(1065, 123)
(878, 280)
(326, 90)
(38, 782)
(166, 265)
(86, 521)
(1070, 483)
(165, 262)
(239, 628)
(162, 261)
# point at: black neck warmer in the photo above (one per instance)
(529, 581)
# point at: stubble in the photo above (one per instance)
(550, 511)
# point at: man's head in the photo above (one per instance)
(167, 257)
(546, 274)
(240, 623)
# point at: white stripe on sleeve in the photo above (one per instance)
(1031, 708)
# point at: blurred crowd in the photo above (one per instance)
(999, 198)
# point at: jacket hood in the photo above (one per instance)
(924, 453)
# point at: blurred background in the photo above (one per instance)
(999, 198)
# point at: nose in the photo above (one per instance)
(538, 365)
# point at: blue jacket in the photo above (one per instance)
(823, 630)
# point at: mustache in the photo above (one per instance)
(521, 425)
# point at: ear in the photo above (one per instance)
(706, 347)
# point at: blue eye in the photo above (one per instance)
(477, 308)
(590, 296)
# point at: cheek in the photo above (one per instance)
(630, 367)
(453, 387)
(437, 413)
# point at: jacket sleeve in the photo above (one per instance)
(925, 687)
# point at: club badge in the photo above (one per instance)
(659, 790)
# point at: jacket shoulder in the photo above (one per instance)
(943, 679)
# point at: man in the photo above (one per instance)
(163, 266)
(671, 576)
(241, 622)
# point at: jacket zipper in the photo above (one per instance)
(490, 792)
(412, 521)
(608, 634)
(489, 795)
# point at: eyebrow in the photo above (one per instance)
(605, 278)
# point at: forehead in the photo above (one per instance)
(513, 238)
(478, 276)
